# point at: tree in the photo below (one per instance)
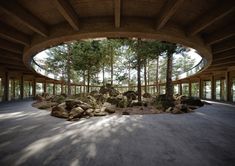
(87, 58)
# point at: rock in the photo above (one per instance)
(193, 101)
(58, 99)
(46, 104)
(62, 105)
(113, 92)
(85, 106)
(122, 103)
(39, 98)
(97, 110)
(113, 100)
(71, 103)
(90, 112)
(131, 95)
(100, 98)
(125, 113)
(177, 111)
(147, 95)
(100, 114)
(168, 110)
(136, 103)
(76, 112)
(59, 112)
(109, 110)
(94, 92)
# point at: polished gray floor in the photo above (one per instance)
(31, 137)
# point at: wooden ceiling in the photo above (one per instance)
(29, 26)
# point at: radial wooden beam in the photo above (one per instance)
(223, 46)
(224, 61)
(12, 47)
(9, 55)
(168, 10)
(220, 35)
(210, 17)
(13, 35)
(224, 55)
(23, 16)
(117, 13)
(68, 13)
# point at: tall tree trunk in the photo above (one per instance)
(129, 76)
(169, 84)
(103, 73)
(138, 72)
(88, 81)
(84, 81)
(69, 70)
(111, 65)
(157, 72)
(148, 71)
(145, 76)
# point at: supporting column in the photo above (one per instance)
(34, 87)
(180, 88)
(22, 87)
(200, 88)
(45, 86)
(62, 88)
(189, 88)
(228, 86)
(212, 87)
(6, 87)
(53, 88)
(14, 89)
(75, 90)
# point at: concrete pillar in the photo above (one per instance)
(180, 88)
(212, 87)
(14, 89)
(62, 88)
(6, 86)
(200, 88)
(228, 86)
(22, 87)
(190, 88)
(53, 88)
(45, 86)
(34, 87)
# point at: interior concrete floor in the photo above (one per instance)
(29, 136)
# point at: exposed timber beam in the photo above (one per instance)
(224, 61)
(220, 35)
(210, 17)
(4, 53)
(67, 11)
(117, 13)
(223, 46)
(13, 35)
(23, 16)
(168, 10)
(224, 55)
(12, 47)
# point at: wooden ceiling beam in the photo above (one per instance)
(220, 35)
(11, 47)
(168, 10)
(67, 11)
(224, 61)
(224, 55)
(117, 13)
(210, 17)
(13, 35)
(14, 9)
(224, 46)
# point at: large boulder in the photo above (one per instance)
(71, 103)
(59, 112)
(109, 110)
(46, 105)
(192, 101)
(39, 98)
(131, 95)
(76, 112)
(147, 95)
(58, 99)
